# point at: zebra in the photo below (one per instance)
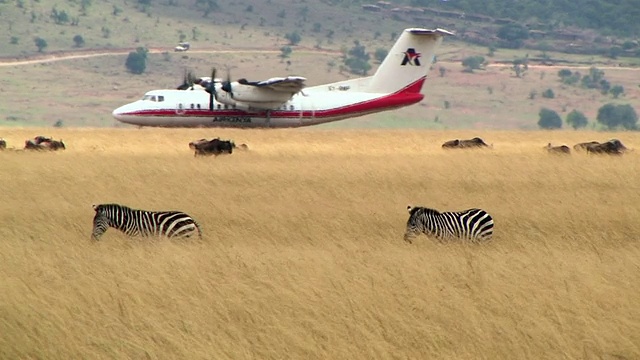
(471, 224)
(144, 223)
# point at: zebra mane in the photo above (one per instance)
(103, 206)
(422, 209)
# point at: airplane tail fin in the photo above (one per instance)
(408, 62)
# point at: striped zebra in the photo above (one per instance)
(144, 223)
(471, 224)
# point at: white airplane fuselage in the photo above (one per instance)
(397, 82)
(190, 108)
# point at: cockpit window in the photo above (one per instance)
(160, 98)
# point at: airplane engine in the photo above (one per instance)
(252, 94)
(248, 103)
(226, 99)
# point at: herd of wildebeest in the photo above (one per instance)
(217, 146)
(201, 147)
(611, 147)
(38, 143)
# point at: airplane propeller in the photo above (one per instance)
(210, 87)
(187, 81)
(226, 85)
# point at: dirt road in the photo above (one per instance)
(83, 54)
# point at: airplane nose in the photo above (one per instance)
(119, 113)
(122, 115)
(116, 113)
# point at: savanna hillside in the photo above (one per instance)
(303, 256)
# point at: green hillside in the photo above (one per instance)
(557, 25)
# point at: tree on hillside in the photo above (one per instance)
(357, 59)
(285, 52)
(116, 10)
(78, 40)
(576, 119)
(137, 61)
(380, 54)
(616, 91)
(593, 79)
(568, 77)
(473, 63)
(59, 17)
(294, 38)
(613, 116)
(520, 67)
(549, 119)
(84, 7)
(548, 94)
(41, 43)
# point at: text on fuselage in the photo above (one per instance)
(232, 119)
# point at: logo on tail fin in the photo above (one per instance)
(411, 57)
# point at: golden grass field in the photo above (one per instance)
(303, 257)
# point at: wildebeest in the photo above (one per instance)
(476, 142)
(3, 144)
(611, 147)
(583, 146)
(212, 147)
(562, 149)
(43, 143)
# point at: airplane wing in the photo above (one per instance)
(289, 84)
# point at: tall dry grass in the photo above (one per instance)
(303, 254)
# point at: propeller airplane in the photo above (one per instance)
(285, 101)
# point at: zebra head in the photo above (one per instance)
(100, 222)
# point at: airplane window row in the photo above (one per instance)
(153, 98)
(198, 106)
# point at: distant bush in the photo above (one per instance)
(576, 119)
(78, 40)
(357, 59)
(41, 43)
(613, 116)
(473, 63)
(59, 17)
(548, 94)
(549, 119)
(616, 91)
(285, 51)
(137, 61)
(294, 38)
(380, 54)
(568, 77)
